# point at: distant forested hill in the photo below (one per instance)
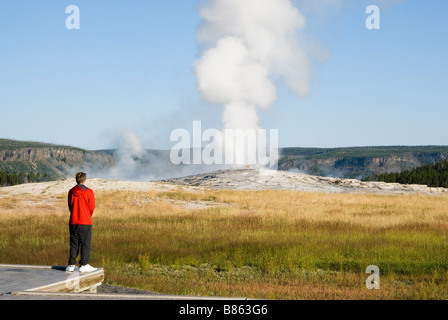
(432, 175)
(24, 161)
(359, 162)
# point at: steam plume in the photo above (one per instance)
(128, 154)
(247, 44)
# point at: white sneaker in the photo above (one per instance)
(70, 268)
(87, 268)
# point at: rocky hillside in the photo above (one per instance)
(53, 160)
(359, 162)
(58, 161)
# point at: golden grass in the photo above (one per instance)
(260, 244)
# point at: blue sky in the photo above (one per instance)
(129, 66)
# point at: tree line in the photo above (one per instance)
(12, 179)
(432, 175)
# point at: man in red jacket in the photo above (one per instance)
(81, 202)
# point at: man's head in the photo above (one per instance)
(81, 177)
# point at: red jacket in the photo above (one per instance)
(81, 202)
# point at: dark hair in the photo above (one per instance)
(81, 177)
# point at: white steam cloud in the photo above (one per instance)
(128, 152)
(134, 162)
(247, 44)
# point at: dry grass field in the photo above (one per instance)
(258, 244)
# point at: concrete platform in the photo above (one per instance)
(32, 278)
(31, 282)
(37, 295)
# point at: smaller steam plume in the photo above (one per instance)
(134, 162)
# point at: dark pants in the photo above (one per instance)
(80, 237)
